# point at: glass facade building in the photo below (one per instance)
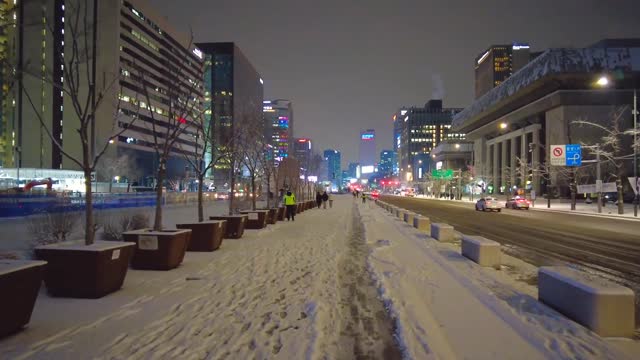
(278, 117)
(387, 166)
(497, 63)
(334, 173)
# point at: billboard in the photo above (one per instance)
(367, 136)
(367, 169)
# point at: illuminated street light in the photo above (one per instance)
(603, 81)
(503, 125)
(457, 146)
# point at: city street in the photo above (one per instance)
(608, 247)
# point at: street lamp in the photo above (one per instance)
(503, 125)
(603, 81)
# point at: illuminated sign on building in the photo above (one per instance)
(368, 136)
(367, 169)
(197, 53)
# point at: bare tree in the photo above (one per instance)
(269, 170)
(111, 167)
(182, 105)
(86, 96)
(610, 147)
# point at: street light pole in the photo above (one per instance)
(598, 181)
(635, 151)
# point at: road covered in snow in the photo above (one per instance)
(341, 283)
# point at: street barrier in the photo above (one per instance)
(422, 223)
(408, 217)
(442, 232)
(398, 213)
(483, 251)
(602, 306)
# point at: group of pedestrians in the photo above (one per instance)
(290, 203)
(322, 199)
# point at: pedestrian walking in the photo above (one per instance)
(318, 199)
(290, 203)
(364, 198)
(325, 198)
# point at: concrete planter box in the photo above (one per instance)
(206, 235)
(299, 208)
(272, 216)
(19, 285)
(256, 219)
(235, 225)
(281, 213)
(442, 232)
(158, 250)
(80, 271)
(606, 308)
(483, 251)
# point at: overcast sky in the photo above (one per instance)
(348, 65)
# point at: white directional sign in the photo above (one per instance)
(558, 155)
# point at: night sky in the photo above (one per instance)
(348, 67)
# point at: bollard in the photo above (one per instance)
(422, 223)
(442, 232)
(483, 251)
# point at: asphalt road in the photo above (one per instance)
(606, 246)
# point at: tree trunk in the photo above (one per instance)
(233, 186)
(90, 233)
(253, 192)
(268, 192)
(620, 196)
(157, 224)
(200, 205)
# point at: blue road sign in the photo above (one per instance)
(574, 154)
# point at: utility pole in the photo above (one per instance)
(598, 180)
(635, 151)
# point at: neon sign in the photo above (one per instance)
(367, 137)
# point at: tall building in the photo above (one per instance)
(278, 117)
(8, 39)
(367, 151)
(387, 166)
(140, 61)
(303, 152)
(397, 128)
(333, 159)
(422, 129)
(497, 63)
(353, 171)
(233, 94)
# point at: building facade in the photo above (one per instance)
(141, 64)
(387, 166)
(233, 96)
(278, 117)
(334, 172)
(367, 152)
(514, 125)
(494, 65)
(422, 129)
(303, 152)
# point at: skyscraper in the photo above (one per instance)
(334, 174)
(367, 151)
(422, 129)
(387, 166)
(233, 94)
(303, 152)
(278, 117)
(497, 63)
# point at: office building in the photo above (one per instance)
(333, 159)
(140, 60)
(513, 127)
(367, 152)
(353, 170)
(497, 63)
(423, 128)
(387, 166)
(278, 117)
(303, 152)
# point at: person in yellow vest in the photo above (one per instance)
(290, 203)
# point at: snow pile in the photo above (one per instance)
(449, 307)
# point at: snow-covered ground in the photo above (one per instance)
(299, 290)
(448, 307)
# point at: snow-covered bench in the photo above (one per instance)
(422, 223)
(602, 306)
(483, 251)
(408, 216)
(442, 232)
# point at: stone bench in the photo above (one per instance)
(604, 307)
(442, 232)
(483, 251)
(408, 216)
(422, 223)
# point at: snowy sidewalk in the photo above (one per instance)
(272, 294)
(448, 307)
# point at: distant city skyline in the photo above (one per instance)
(341, 83)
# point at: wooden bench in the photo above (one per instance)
(602, 306)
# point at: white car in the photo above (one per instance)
(488, 203)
